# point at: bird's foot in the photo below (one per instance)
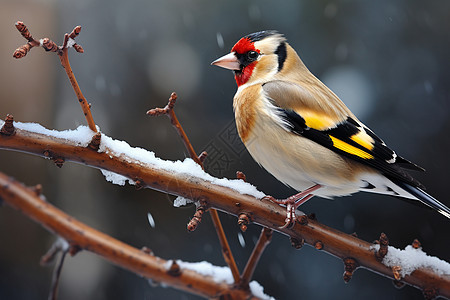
(292, 203)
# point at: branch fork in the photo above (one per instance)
(50, 46)
(45, 43)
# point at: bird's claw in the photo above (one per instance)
(270, 198)
(290, 210)
(290, 216)
(292, 203)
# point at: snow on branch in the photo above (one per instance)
(82, 136)
(411, 259)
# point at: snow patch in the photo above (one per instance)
(70, 43)
(220, 274)
(80, 136)
(62, 243)
(411, 259)
(115, 178)
(258, 291)
(181, 201)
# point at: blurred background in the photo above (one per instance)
(387, 60)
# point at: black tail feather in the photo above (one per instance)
(425, 198)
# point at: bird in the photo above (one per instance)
(301, 132)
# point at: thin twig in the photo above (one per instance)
(24, 49)
(264, 239)
(169, 111)
(64, 58)
(226, 250)
(59, 246)
(51, 46)
(56, 275)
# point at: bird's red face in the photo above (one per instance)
(247, 54)
(256, 56)
(242, 60)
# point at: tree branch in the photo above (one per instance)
(225, 199)
(140, 262)
(62, 52)
(263, 241)
(169, 111)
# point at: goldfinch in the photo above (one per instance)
(304, 135)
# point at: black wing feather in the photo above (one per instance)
(384, 159)
(425, 198)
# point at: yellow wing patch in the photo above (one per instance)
(363, 139)
(341, 145)
(316, 120)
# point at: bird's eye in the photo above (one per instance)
(252, 55)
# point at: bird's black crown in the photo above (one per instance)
(257, 36)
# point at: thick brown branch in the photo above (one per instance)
(27, 201)
(225, 199)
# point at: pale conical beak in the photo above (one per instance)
(228, 61)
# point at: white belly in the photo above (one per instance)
(300, 162)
